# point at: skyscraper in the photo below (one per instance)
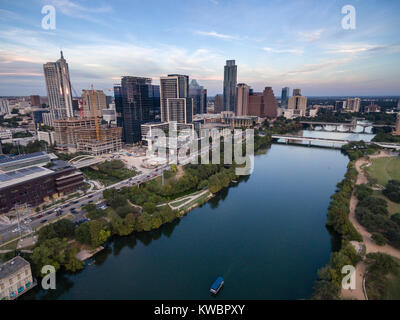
(140, 104)
(285, 97)
(219, 103)
(35, 101)
(199, 96)
(175, 87)
(58, 86)
(242, 99)
(87, 103)
(230, 82)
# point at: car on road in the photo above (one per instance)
(43, 221)
(59, 213)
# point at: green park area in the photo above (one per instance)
(384, 169)
(108, 172)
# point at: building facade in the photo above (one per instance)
(35, 101)
(172, 86)
(199, 96)
(263, 104)
(242, 97)
(230, 82)
(285, 97)
(88, 105)
(58, 86)
(15, 278)
(298, 103)
(140, 101)
(4, 107)
(353, 104)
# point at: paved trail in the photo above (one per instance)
(370, 245)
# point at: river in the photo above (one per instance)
(265, 235)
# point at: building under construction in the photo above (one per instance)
(81, 135)
(110, 140)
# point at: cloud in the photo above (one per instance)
(310, 68)
(311, 36)
(216, 35)
(358, 48)
(274, 50)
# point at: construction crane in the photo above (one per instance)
(96, 120)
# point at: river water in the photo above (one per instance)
(265, 235)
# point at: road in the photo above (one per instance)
(74, 205)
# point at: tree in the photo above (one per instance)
(379, 239)
(392, 190)
(149, 207)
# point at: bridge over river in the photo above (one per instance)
(334, 143)
(349, 125)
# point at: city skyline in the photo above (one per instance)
(279, 44)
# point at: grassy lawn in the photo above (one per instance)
(109, 172)
(385, 169)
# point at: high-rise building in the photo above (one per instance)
(58, 86)
(219, 103)
(353, 104)
(140, 104)
(263, 104)
(298, 103)
(88, 105)
(175, 87)
(4, 107)
(285, 97)
(230, 82)
(398, 105)
(242, 97)
(118, 108)
(199, 96)
(35, 101)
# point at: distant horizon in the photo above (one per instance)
(295, 44)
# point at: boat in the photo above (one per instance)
(217, 285)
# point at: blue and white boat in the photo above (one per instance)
(217, 285)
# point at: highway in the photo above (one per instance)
(74, 205)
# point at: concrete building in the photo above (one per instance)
(80, 135)
(263, 104)
(180, 110)
(15, 278)
(230, 82)
(172, 86)
(88, 106)
(353, 104)
(4, 107)
(35, 101)
(47, 136)
(58, 86)
(65, 131)
(24, 179)
(298, 103)
(242, 97)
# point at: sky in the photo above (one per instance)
(277, 43)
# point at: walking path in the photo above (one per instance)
(186, 200)
(370, 245)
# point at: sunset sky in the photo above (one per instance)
(294, 43)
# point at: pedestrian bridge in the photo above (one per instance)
(85, 161)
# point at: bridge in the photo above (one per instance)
(85, 161)
(336, 143)
(350, 125)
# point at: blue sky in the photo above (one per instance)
(295, 43)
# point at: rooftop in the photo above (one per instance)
(21, 175)
(12, 266)
(22, 157)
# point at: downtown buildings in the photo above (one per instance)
(174, 99)
(230, 82)
(137, 101)
(58, 86)
(297, 104)
(285, 97)
(90, 96)
(199, 96)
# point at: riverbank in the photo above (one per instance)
(367, 241)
